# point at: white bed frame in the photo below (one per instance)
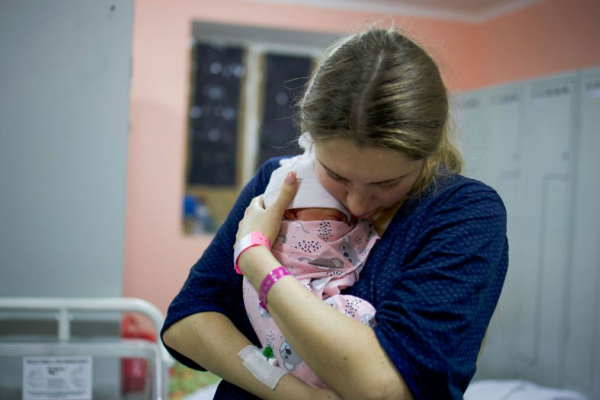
(64, 346)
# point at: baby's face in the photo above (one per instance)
(315, 214)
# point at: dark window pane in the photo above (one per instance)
(213, 116)
(285, 80)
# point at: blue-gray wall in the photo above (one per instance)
(64, 105)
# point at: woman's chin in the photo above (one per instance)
(367, 215)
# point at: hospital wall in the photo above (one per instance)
(545, 38)
(64, 108)
(536, 142)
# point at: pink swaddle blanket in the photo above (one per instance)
(326, 257)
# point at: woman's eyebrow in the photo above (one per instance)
(372, 183)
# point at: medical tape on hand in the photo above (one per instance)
(258, 365)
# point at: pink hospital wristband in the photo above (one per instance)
(268, 283)
(250, 240)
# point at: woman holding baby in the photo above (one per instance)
(376, 113)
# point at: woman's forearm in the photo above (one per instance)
(217, 348)
(343, 352)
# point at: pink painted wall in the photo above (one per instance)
(553, 36)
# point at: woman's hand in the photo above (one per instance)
(267, 220)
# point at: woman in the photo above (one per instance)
(377, 110)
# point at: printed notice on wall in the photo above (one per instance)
(53, 378)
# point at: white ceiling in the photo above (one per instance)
(474, 11)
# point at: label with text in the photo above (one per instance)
(53, 378)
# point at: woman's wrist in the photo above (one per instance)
(271, 279)
(256, 263)
(252, 239)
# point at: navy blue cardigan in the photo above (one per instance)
(434, 278)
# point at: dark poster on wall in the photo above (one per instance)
(213, 115)
(286, 77)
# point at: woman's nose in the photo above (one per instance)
(358, 203)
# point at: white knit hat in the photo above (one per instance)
(310, 194)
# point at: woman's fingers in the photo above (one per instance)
(267, 220)
(287, 192)
(260, 201)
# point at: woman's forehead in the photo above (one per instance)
(363, 164)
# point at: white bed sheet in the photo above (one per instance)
(517, 390)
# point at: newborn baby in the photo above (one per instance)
(320, 246)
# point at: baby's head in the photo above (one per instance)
(315, 214)
(311, 202)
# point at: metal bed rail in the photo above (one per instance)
(64, 307)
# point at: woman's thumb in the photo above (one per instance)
(287, 191)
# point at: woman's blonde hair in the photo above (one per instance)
(380, 89)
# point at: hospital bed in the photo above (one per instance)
(64, 345)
